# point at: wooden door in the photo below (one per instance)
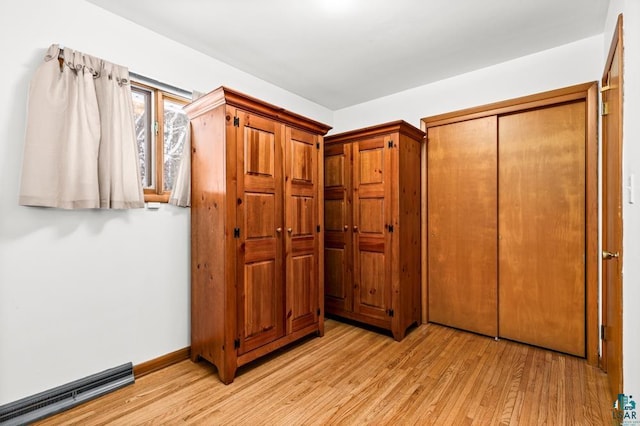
(259, 237)
(302, 236)
(462, 225)
(611, 360)
(371, 219)
(338, 228)
(541, 233)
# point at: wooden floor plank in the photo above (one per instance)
(436, 375)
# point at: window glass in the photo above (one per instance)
(142, 101)
(175, 134)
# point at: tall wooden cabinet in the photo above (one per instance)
(372, 225)
(257, 240)
(512, 220)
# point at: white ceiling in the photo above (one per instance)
(338, 53)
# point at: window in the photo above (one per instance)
(161, 131)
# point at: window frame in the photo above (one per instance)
(157, 193)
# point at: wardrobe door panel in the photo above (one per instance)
(372, 280)
(259, 245)
(462, 225)
(542, 227)
(302, 235)
(338, 228)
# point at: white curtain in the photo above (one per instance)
(181, 192)
(80, 145)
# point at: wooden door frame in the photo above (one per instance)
(616, 44)
(589, 93)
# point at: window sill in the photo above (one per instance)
(157, 198)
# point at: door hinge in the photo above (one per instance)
(236, 344)
(317, 145)
(390, 312)
(318, 311)
(605, 108)
(602, 332)
(390, 228)
(390, 144)
(318, 228)
(236, 121)
(236, 232)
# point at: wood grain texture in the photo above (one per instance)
(424, 300)
(371, 214)
(302, 243)
(211, 193)
(565, 94)
(260, 248)
(233, 98)
(462, 223)
(373, 207)
(592, 225)
(587, 93)
(256, 280)
(406, 249)
(398, 126)
(338, 228)
(435, 376)
(612, 225)
(141, 370)
(541, 233)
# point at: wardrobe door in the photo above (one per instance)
(542, 227)
(372, 241)
(302, 236)
(462, 225)
(259, 238)
(338, 228)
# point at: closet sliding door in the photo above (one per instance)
(541, 233)
(462, 225)
(512, 213)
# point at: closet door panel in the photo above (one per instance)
(542, 227)
(462, 225)
(337, 228)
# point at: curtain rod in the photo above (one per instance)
(145, 80)
(164, 86)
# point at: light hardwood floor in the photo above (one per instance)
(436, 375)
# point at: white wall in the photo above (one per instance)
(83, 291)
(574, 63)
(630, 165)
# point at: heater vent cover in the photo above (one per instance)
(63, 397)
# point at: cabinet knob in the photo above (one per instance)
(346, 227)
(289, 230)
(355, 228)
(278, 230)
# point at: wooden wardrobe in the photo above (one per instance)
(256, 229)
(372, 225)
(512, 220)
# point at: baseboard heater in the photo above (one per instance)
(63, 397)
